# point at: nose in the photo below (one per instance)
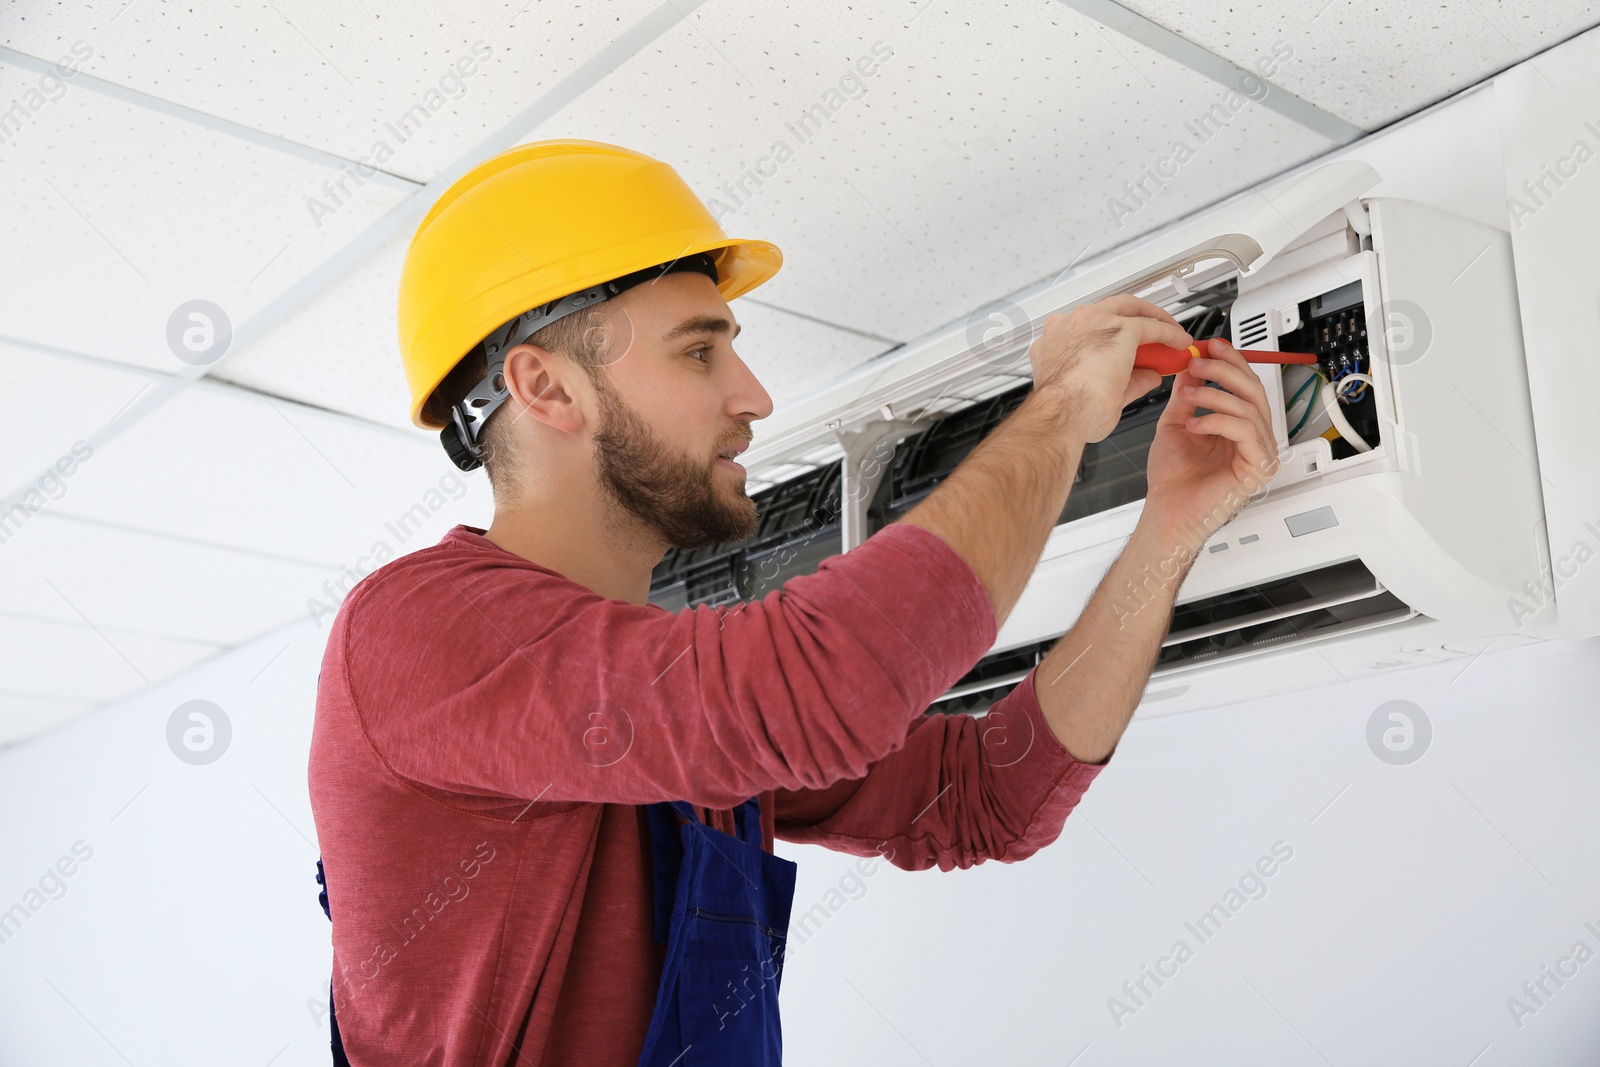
(749, 400)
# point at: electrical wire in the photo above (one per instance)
(1297, 393)
(1361, 379)
(1355, 366)
(1330, 404)
(1311, 402)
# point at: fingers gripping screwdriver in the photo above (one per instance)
(1165, 360)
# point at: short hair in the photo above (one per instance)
(572, 335)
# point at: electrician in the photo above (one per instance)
(546, 806)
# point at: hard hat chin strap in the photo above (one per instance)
(463, 436)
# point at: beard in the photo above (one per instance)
(667, 491)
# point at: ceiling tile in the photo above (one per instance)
(340, 349)
(1372, 62)
(121, 580)
(76, 662)
(978, 156)
(117, 237)
(238, 469)
(56, 403)
(408, 89)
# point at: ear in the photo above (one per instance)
(539, 382)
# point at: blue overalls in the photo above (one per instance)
(722, 908)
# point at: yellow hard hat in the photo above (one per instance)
(542, 222)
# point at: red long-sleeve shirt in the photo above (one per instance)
(487, 729)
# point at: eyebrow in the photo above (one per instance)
(702, 324)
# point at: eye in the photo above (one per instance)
(703, 348)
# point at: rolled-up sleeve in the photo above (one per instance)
(962, 790)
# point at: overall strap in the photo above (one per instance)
(666, 850)
(339, 1058)
(747, 820)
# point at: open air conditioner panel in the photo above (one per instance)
(1110, 472)
(1332, 326)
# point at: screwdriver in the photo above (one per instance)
(1167, 360)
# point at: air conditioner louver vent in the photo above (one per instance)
(1338, 599)
(1253, 331)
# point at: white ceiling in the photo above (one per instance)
(1372, 63)
(182, 160)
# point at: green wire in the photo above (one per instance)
(1293, 399)
(1302, 388)
(1315, 376)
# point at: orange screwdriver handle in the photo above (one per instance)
(1165, 360)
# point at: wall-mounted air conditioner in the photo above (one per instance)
(1410, 531)
(1404, 524)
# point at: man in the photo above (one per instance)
(498, 713)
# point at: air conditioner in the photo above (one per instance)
(1420, 541)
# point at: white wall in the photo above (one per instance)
(192, 935)
(1414, 906)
